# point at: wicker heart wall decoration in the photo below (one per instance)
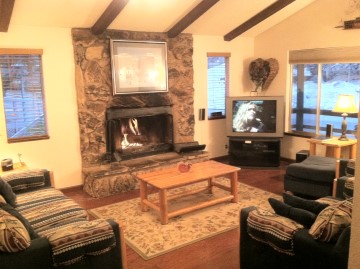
(262, 72)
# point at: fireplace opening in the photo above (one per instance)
(133, 133)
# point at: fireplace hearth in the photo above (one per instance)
(138, 132)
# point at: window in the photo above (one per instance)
(21, 76)
(218, 84)
(318, 77)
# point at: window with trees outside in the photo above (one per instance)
(23, 96)
(218, 84)
(318, 77)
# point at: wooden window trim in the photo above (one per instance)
(8, 51)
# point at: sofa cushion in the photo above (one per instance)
(7, 192)
(316, 168)
(71, 242)
(299, 215)
(25, 179)
(310, 205)
(13, 235)
(48, 207)
(272, 229)
(332, 221)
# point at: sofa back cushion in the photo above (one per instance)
(7, 193)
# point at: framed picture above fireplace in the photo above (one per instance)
(138, 66)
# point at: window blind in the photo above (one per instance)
(325, 55)
(218, 83)
(21, 76)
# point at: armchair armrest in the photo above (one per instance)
(37, 256)
(344, 169)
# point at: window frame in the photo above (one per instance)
(319, 56)
(24, 52)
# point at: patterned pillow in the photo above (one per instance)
(350, 168)
(349, 187)
(13, 235)
(332, 221)
(26, 179)
(272, 229)
(7, 192)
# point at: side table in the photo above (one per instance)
(334, 146)
(17, 167)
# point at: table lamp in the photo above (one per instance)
(345, 104)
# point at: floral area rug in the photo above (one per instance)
(149, 238)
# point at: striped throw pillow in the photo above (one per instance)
(13, 235)
(332, 221)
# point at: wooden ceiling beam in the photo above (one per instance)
(269, 11)
(192, 16)
(6, 9)
(110, 13)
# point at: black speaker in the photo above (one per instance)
(202, 114)
(329, 130)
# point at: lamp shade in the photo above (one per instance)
(345, 104)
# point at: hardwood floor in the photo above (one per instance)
(218, 252)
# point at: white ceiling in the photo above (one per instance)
(150, 15)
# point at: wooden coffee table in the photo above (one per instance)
(170, 178)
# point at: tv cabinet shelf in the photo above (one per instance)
(263, 152)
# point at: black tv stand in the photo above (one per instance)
(264, 152)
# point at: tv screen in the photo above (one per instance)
(255, 116)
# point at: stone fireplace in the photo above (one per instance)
(117, 143)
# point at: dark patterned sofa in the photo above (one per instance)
(42, 228)
(298, 233)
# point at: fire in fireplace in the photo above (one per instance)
(138, 132)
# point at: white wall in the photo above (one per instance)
(213, 132)
(313, 27)
(60, 153)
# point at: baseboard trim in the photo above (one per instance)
(72, 188)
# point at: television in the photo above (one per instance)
(255, 116)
